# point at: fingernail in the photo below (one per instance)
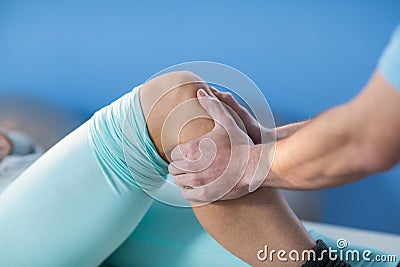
(202, 93)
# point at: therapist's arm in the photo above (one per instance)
(343, 144)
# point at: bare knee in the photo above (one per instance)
(172, 112)
(179, 84)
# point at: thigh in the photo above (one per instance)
(63, 212)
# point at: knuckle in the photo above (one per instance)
(192, 147)
(177, 181)
(177, 151)
(229, 95)
(196, 180)
(173, 169)
(225, 94)
(205, 194)
(193, 155)
(202, 195)
(189, 166)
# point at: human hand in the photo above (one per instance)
(5, 146)
(254, 129)
(224, 163)
(258, 133)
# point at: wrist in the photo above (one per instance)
(273, 179)
(277, 176)
(259, 165)
(262, 135)
(287, 130)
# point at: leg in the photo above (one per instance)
(243, 226)
(181, 242)
(67, 209)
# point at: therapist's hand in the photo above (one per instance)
(254, 129)
(258, 133)
(5, 146)
(221, 164)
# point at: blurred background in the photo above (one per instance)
(60, 61)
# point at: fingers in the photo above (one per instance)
(187, 150)
(242, 116)
(186, 166)
(207, 194)
(190, 180)
(231, 101)
(193, 195)
(177, 167)
(201, 187)
(193, 188)
(199, 156)
(193, 156)
(214, 108)
(215, 91)
(200, 194)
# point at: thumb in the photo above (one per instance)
(214, 108)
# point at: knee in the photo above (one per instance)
(169, 102)
(170, 88)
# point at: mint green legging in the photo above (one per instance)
(61, 211)
(80, 201)
(183, 242)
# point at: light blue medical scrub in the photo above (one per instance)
(389, 63)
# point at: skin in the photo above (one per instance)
(229, 222)
(222, 163)
(253, 128)
(364, 139)
(5, 146)
(342, 145)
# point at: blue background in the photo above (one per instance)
(306, 56)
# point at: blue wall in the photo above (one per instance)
(306, 56)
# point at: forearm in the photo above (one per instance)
(289, 129)
(320, 154)
(342, 144)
